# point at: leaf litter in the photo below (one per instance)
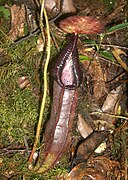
(102, 104)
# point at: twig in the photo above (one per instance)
(104, 59)
(117, 78)
(108, 45)
(54, 40)
(112, 45)
(56, 17)
(9, 151)
(122, 126)
(41, 19)
(6, 36)
(19, 41)
(111, 115)
(26, 145)
(45, 87)
(126, 164)
(25, 37)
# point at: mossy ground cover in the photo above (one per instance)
(19, 107)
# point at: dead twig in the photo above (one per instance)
(111, 115)
(10, 151)
(107, 45)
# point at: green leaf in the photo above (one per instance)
(5, 11)
(107, 55)
(84, 58)
(118, 27)
(89, 41)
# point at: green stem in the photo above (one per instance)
(45, 85)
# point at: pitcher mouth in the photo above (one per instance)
(67, 71)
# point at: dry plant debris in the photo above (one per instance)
(17, 21)
(104, 100)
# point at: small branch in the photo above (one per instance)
(116, 46)
(54, 40)
(10, 151)
(25, 38)
(111, 115)
(107, 45)
(19, 41)
(26, 145)
(6, 36)
(104, 59)
(45, 86)
(41, 20)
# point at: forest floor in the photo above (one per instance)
(102, 104)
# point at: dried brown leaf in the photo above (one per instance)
(81, 171)
(111, 103)
(104, 165)
(88, 146)
(116, 54)
(17, 21)
(99, 86)
(83, 127)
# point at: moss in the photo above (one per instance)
(18, 115)
(19, 108)
(109, 5)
